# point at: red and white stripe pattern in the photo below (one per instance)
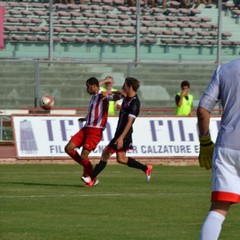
(97, 112)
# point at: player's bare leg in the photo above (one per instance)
(81, 159)
(92, 181)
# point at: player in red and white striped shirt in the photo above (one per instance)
(91, 134)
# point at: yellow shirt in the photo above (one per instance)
(111, 107)
(186, 107)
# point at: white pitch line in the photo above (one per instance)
(106, 195)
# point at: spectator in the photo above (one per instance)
(108, 82)
(184, 100)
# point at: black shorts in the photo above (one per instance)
(127, 144)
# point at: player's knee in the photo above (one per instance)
(67, 149)
(121, 160)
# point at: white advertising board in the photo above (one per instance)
(46, 136)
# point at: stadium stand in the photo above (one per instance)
(190, 33)
(65, 81)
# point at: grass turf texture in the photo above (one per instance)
(49, 202)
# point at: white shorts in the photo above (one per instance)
(226, 175)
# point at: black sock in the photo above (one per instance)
(135, 164)
(98, 168)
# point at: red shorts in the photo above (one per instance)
(88, 138)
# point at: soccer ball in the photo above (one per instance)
(46, 102)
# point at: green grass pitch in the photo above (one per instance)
(49, 202)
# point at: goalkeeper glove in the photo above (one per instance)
(206, 151)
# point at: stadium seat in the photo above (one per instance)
(71, 30)
(75, 14)
(80, 40)
(36, 20)
(107, 8)
(104, 40)
(24, 20)
(31, 38)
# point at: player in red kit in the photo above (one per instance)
(91, 134)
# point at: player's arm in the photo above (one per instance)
(119, 141)
(183, 94)
(82, 119)
(113, 96)
(105, 80)
(206, 144)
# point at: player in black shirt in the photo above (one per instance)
(122, 140)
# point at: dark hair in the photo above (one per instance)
(185, 84)
(92, 81)
(130, 81)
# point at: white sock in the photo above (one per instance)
(212, 226)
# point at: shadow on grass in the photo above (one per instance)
(42, 184)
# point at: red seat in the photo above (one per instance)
(17, 38)
(10, 28)
(179, 33)
(167, 32)
(26, 12)
(156, 32)
(107, 8)
(123, 17)
(100, 15)
(171, 25)
(159, 24)
(94, 30)
(36, 20)
(167, 40)
(82, 30)
(45, 29)
(59, 29)
(148, 40)
(124, 23)
(108, 31)
(65, 21)
(76, 22)
(35, 29)
(226, 34)
(12, 20)
(31, 38)
(112, 23)
(103, 40)
(63, 14)
(75, 14)
(24, 20)
(43, 38)
(91, 40)
(179, 41)
(23, 28)
(128, 40)
(203, 34)
(101, 23)
(40, 13)
(68, 39)
(184, 11)
(115, 40)
(80, 40)
(71, 30)
(206, 19)
(73, 6)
